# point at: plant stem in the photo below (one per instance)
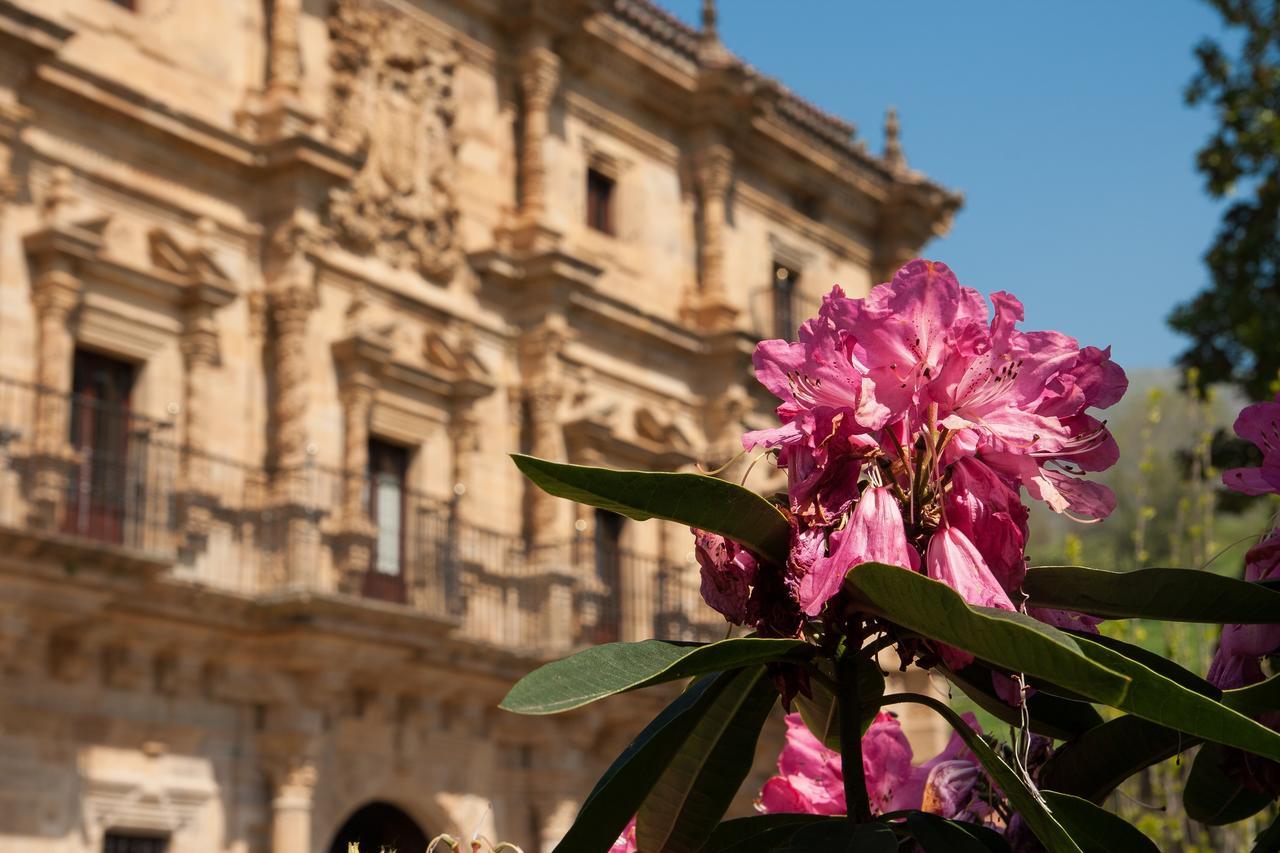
(855, 784)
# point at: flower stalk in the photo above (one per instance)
(855, 785)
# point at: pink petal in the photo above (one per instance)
(953, 560)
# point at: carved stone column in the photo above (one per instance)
(291, 298)
(708, 308)
(284, 62)
(539, 80)
(544, 390)
(361, 359)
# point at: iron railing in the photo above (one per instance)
(85, 474)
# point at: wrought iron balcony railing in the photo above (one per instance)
(101, 482)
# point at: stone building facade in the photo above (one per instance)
(281, 285)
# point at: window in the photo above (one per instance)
(785, 282)
(99, 433)
(600, 201)
(388, 469)
(129, 842)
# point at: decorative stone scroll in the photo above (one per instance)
(393, 100)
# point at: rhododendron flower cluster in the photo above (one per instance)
(912, 422)
(1242, 648)
(810, 781)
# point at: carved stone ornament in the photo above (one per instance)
(393, 100)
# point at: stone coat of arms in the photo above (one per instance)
(393, 101)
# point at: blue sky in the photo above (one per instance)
(1063, 123)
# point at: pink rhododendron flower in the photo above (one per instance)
(728, 573)
(626, 842)
(810, 780)
(1260, 424)
(1238, 660)
(920, 398)
(874, 534)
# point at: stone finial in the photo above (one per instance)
(710, 50)
(893, 155)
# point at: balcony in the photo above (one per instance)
(84, 483)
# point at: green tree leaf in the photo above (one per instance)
(1175, 595)
(602, 671)
(694, 791)
(759, 833)
(693, 499)
(842, 837)
(1213, 795)
(1050, 715)
(821, 710)
(623, 787)
(1024, 801)
(1094, 764)
(939, 835)
(1096, 830)
(1256, 698)
(1012, 641)
(1162, 700)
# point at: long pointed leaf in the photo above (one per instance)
(1039, 819)
(1097, 830)
(694, 791)
(1162, 700)
(1214, 795)
(1173, 595)
(842, 837)
(1094, 764)
(693, 499)
(1049, 715)
(759, 833)
(602, 671)
(1009, 640)
(935, 834)
(615, 798)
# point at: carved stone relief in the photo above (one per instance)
(393, 101)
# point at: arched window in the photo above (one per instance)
(379, 825)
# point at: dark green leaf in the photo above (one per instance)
(602, 671)
(1021, 798)
(842, 837)
(1009, 640)
(1050, 715)
(821, 711)
(1096, 830)
(693, 793)
(693, 499)
(1256, 698)
(618, 794)
(1176, 595)
(1214, 795)
(1157, 663)
(1268, 841)
(939, 835)
(1094, 764)
(1161, 700)
(759, 833)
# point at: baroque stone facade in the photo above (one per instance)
(281, 285)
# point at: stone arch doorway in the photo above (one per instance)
(377, 826)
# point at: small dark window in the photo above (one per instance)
(785, 283)
(131, 842)
(388, 470)
(100, 428)
(600, 201)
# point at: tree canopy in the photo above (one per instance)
(1234, 324)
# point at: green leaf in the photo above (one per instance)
(1094, 764)
(602, 671)
(693, 793)
(1157, 663)
(697, 500)
(842, 837)
(1162, 700)
(1096, 830)
(1255, 699)
(1011, 641)
(622, 788)
(1050, 715)
(1173, 595)
(939, 835)
(1051, 833)
(759, 833)
(821, 710)
(1213, 795)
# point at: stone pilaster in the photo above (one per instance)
(290, 300)
(289, 763)
(539, 81)
(708, 307)
(548, 518)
